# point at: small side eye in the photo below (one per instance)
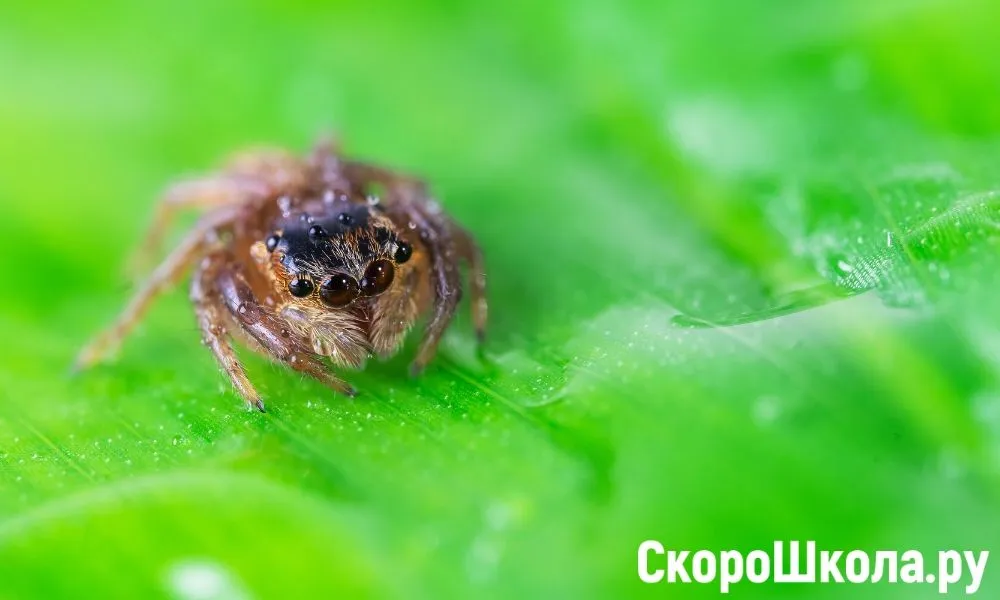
(300, 288)
(378, 277)
(340, 290)
(403, 252)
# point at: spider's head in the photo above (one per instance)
(335, 256)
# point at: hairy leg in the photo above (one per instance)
(470, 252)
(270, 331)
(208, 193)
(325, 161)
(214, 334)
(246, 177)
(447, 286)
(276, 168)
(193, 247)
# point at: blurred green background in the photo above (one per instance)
(814, 184)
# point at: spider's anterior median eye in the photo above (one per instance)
(378, 277)
(300, 288)
(339, 290)
(403, 252)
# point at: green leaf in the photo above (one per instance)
(743, 266)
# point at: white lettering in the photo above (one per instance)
(977, 568)
(644, 549)
(732, 569)
(676, 568)
(760, 572)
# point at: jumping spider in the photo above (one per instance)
(298, 259)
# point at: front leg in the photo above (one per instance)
(193, 247)
(271, 332)
(214, 333)
(471, 253)
(207, 193)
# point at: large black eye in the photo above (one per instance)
(339, 290)
(403, 252)
(300, 288)
(378, 277)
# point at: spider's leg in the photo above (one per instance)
(326, 163)
(447, 285)
(277, 169)
(469, 250)
(163, 278)
(273, 333)
(250, 176)
(405, 189)
(213, 329)
(208, 193)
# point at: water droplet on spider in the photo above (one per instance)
(411, 225)
(285, 206)
(373, 200)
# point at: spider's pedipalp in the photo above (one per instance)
(270, 331)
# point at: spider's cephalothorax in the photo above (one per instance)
(299, 262)
(343, 268)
